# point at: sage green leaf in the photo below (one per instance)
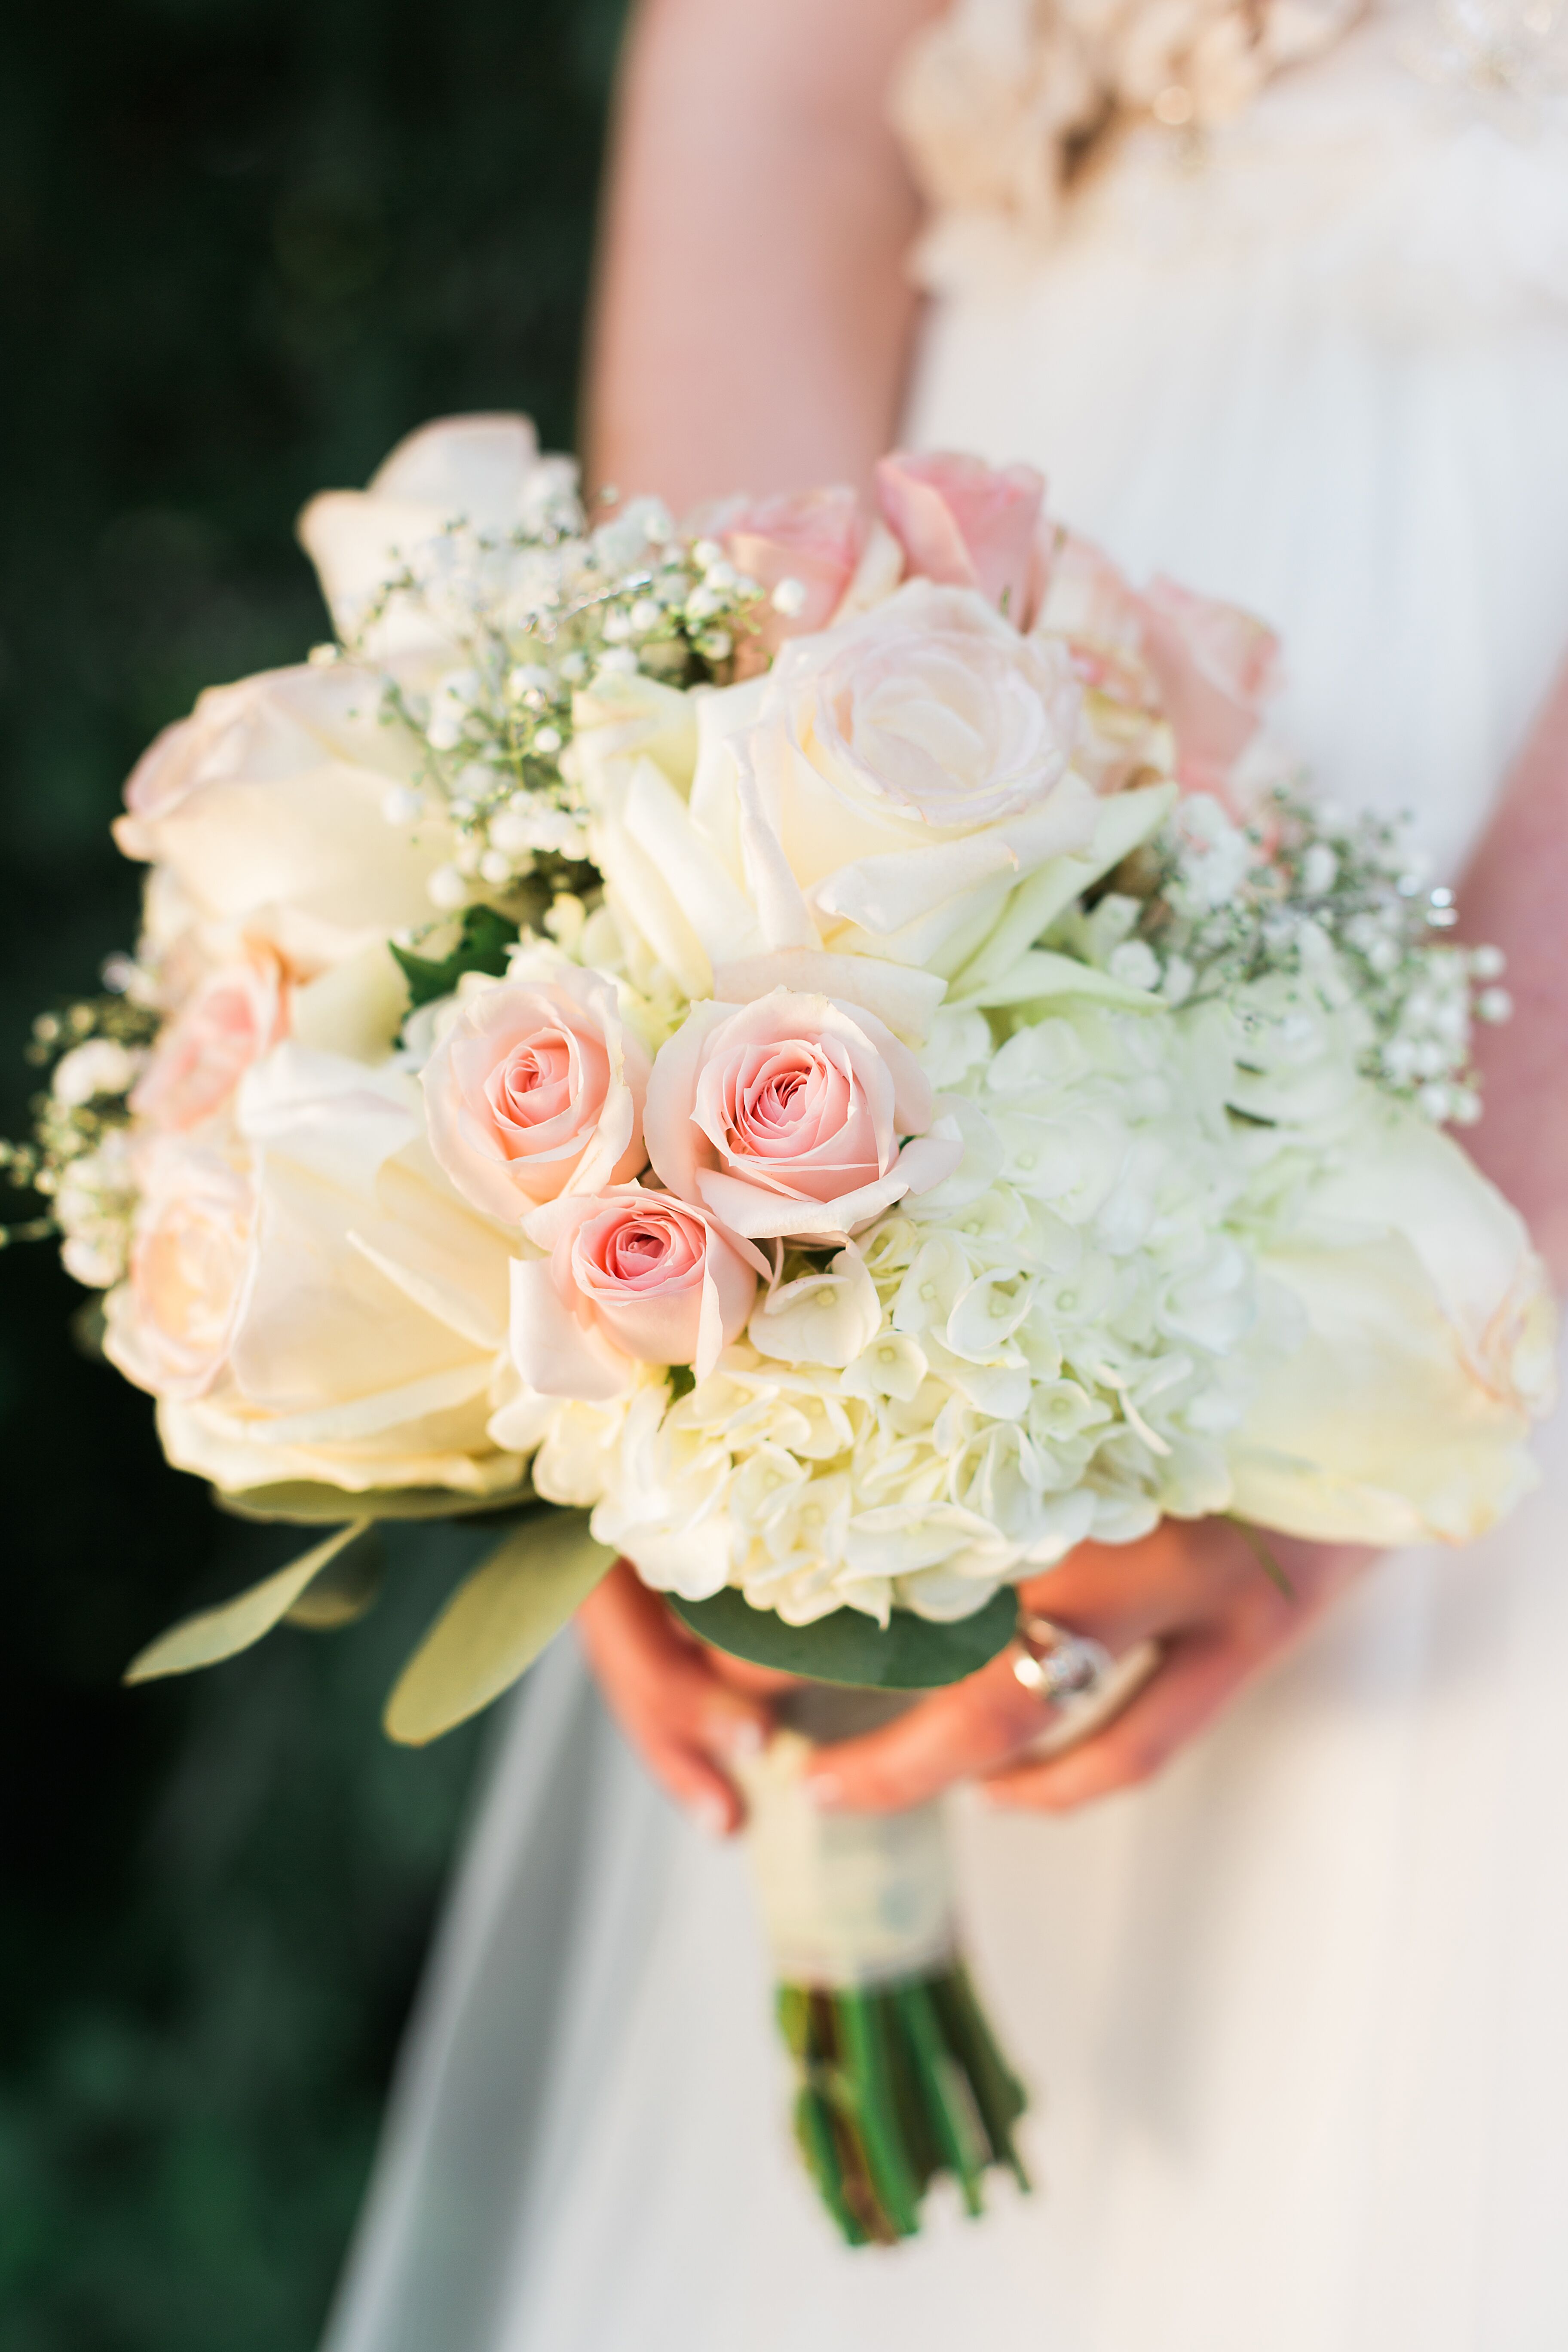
(214, 1633)
(496, 1624)
(309, 1504)
(344, 1589)
(486, 941)
(1042, 973)
(911, 1653)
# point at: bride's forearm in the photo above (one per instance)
(1516, 895)
(753, 311)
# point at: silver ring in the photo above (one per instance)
(1056, 1665)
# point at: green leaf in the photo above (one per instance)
(344, 1589)
(496, 1624)
(912, 1653)
(1043, 972)
(214, 1633)
(483, 946)
(309, 1504)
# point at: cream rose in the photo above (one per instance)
(483, 470)
(370, 1332)
(880, 796)
(264, 808)
(794, 1116)
(170, 1326)
(537, 1090)
(1403, 1415)
(632, 1277)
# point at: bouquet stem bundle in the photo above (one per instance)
(898, 2084)
(898, 2075)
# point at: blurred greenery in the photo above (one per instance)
(246, 244)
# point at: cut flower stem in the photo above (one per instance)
(898, 2084)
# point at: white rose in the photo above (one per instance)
(1403, 1414)
(876, 800)
(484, 471)
(369, 1321)
(264, 808)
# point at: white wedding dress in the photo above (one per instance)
(1296, 2015)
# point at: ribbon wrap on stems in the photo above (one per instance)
(898, 2077)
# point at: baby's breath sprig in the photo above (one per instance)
(75, 1158)
(1305, 890)
(535, 616)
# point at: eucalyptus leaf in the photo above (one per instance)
(486, 940)
(496, 1624)
(911, 1653)
(311, 1505)
(344, 1589)
(223, 1632)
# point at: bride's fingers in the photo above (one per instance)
(1197, 1674)
(660, 1686)
(967, 1729)
(698, 1786)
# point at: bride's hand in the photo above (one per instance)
(689, 1711)
(1196, 1587)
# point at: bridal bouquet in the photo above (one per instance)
(822, 1051)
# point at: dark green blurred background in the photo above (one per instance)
(245, 244)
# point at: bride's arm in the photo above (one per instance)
(752, 311)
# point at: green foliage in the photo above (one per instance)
(496, 1624)
(246, 244)
(911, 1653)
(213, 1635)
(483, 945)
(895, 2084)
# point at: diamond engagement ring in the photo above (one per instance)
(1056, 1665)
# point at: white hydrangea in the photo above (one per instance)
(1051, 1345)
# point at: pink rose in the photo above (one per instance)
(229, 1021)
(790, 1117)
(967, 524)
(814, 536)
(537, 1090)
(1216, 666)
(1161, 657)
(1091, 605)
(632, 1277)
(170, 1324)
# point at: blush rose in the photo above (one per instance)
(633, 1277)
(1217, 668)
(229, 1021)
(967, 524)
(170, 1324)
(793, 1116)
(537, 1090)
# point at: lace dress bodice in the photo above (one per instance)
(1414, 150)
